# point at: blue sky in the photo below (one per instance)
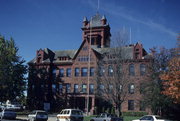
(56, 24)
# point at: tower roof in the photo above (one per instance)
(96, 20)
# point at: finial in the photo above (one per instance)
(85, 19)
(103, 17)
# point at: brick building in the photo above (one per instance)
(65, 78)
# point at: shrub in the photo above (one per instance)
(139, 114)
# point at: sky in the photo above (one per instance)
(56, 24)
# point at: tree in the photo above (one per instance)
(12, 71)
(172, 84)
(112, 85)
(171, 77)
(152, 91)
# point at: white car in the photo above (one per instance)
(70, 115)
(151, 118)
(38, 115)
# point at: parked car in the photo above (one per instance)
(151, 118)
(7, 114)
(106, 117)
(70, 115)
(37, 115)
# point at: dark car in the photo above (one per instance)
(8, 114)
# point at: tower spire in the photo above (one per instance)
(98, 6)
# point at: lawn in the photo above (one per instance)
(126, 118)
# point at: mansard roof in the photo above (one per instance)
(65, 53)
(53, 56)
(126, 51)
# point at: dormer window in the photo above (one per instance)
(137, 49)
(38, 59)
(39, 54)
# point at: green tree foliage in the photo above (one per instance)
(12, 71)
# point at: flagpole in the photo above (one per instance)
(89, 60)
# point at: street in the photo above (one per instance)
(24, 118)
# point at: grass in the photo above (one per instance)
(126, 118)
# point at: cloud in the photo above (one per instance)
(120, 11)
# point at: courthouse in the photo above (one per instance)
(66, 78)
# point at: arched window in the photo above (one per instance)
(142, 69)
(131, 70)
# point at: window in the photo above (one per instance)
(119, 69)
(131, 88)
(54, 74)
(150, 118)
(101, 87)
(76, 72)
(91, 88)
(68, 72)
(120, 88)
(131, 70)
(141, 88)
(76, 86)
(101, 71)
(110, 70)
(53, 88)
(84, 72)
(60, 88)
(142, 106)
(110, 88)
(68, 88)
(61, 72)
(142, 69)
(91, 71)
(85, 48)
(130, 104)
(84, 88)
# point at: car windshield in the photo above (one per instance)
(76, 112)
(41, 113)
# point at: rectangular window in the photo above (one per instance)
(101, 71)
(84, 72)
(131, 88)
(142, 69)
(60, 88)
(91, 88)
(68, 72)
(84, 88)
(68, 88)
(91, 71)
(54, 74)
(76, 72)
(101, 88)
(76, 88)
(110, 70)
(142, 106)
(131, 70)
(61, 72)
(130, 104)
(120, 88)
(110, 88)
(53, 88)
